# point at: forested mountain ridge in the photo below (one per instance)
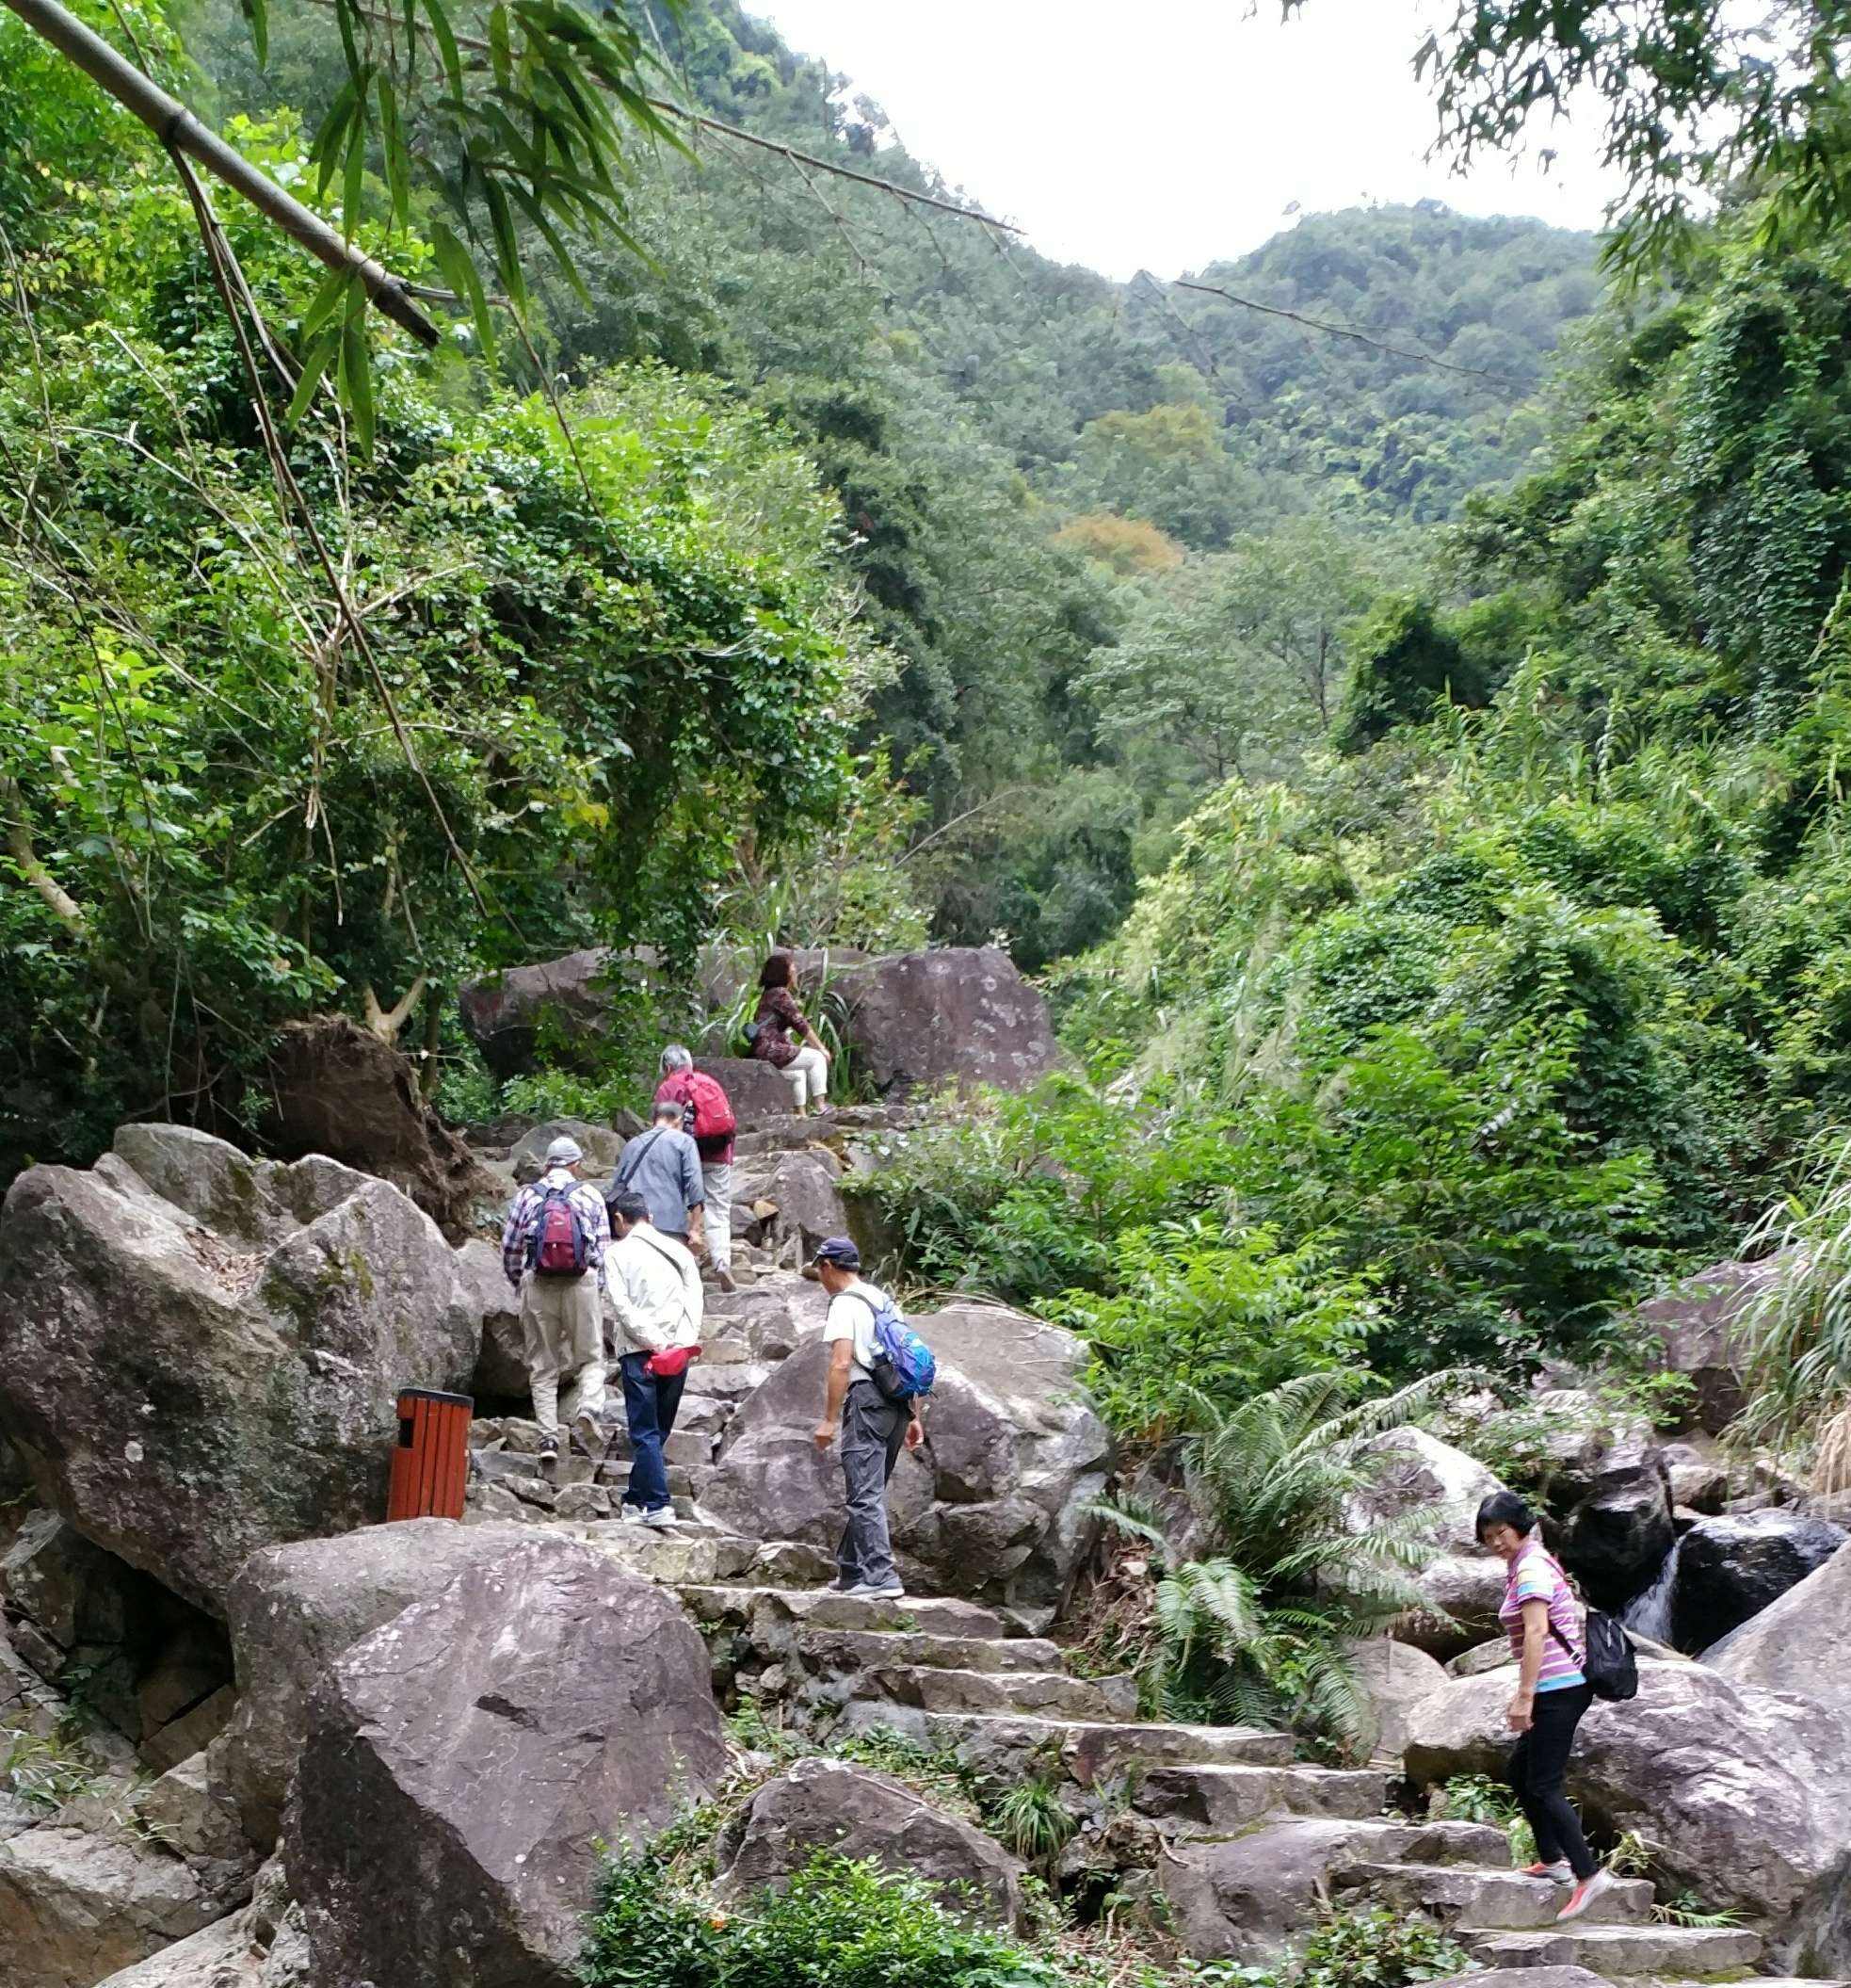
(1031, 459)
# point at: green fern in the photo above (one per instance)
(1254, 1636)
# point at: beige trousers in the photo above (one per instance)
(564, 1337)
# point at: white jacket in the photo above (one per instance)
(654, 1284)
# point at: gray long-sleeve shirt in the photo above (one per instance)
(664, 1168)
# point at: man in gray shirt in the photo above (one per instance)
(662, 1165)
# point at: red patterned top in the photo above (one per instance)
(779, 1019)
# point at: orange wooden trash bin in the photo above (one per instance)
(430, 1462)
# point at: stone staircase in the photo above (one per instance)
(1218, 1829)
(1187, 1816)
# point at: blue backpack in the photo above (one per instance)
(904, 1369)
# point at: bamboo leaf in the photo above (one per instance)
(353, 180)
(498, 48)
(314, 363)
(392, 152)
(257, 13)
(438, 15)
(508, 246)
(321, 306)
(357, 380)
(460, 274)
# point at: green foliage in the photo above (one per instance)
(1406, 662)
(1477, 1798)
(1796, 1327)
(839, 1924)
(1193, 1314)
(1030, 1820)
(1375, 1947)
(1255, 1635)
(1695, 99)
(591, 666)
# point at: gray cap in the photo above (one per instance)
(564, 1152)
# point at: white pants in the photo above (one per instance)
(716, 1217)
(809, 1077)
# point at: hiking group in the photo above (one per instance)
(617, 1274)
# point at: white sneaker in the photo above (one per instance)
(1583, 1895)
(662, 1515)
(1559, 1872)
(867, 1592)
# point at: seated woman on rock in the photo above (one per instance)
(805, 1063)
(1548, 1640)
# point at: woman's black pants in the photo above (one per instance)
(1538, 1763)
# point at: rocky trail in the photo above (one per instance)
(250, 1737)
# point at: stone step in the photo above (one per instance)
(1681, 1952)
(1223, 1800)
(1007, 1745)
(1492, 1898)
(1042, 1694)
(821, 1609)
(847, 1650)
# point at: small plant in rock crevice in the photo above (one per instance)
(1029, 1820)
(1477, 1798)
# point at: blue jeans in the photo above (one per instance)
(649, 1405)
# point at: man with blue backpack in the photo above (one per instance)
(553, 1252)
(879, 1372)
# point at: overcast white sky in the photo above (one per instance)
(1166, 135)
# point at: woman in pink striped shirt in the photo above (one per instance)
(1548, 1640)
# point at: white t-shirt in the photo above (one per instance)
(851, 1318)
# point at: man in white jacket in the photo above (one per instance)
(654, 1284)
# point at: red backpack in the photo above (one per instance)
(709, 1116)
(559, 1246)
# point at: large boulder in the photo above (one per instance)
(964, 1015)
(144, 1659)
(1461, 1585)
(335, 1087)
(501, 1360)
(1741, 1790)
(1693, 1330)
(77, 1905)
(854, 1812)
(1799, 1641)
(995, 1503)
(296, 1611)
(466, 1762)
(757, 1092)
(1733, 1567)
(1243, 1895)
(801, 1187)
(199, 1354)
(568, 999)
(1391, 1678)
(1616, 1537)
(600, 1144)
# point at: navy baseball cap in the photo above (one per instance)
(839, 1251)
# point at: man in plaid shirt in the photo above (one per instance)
(560, 1318)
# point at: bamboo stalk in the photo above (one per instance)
(176, 126)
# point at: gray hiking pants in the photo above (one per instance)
(873, 1430)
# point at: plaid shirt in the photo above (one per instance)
(524, 1218)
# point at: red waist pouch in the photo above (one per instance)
(671, 1361)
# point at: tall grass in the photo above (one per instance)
(1794, 1333)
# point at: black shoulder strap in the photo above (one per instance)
(627, 1171)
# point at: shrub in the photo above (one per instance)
(839, 1924)
(1195, 1315)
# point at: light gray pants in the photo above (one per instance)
(717, 1219)
(563, 1335)
(873, 1430)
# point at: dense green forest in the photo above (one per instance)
(1034, 462)
(1392, 691)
